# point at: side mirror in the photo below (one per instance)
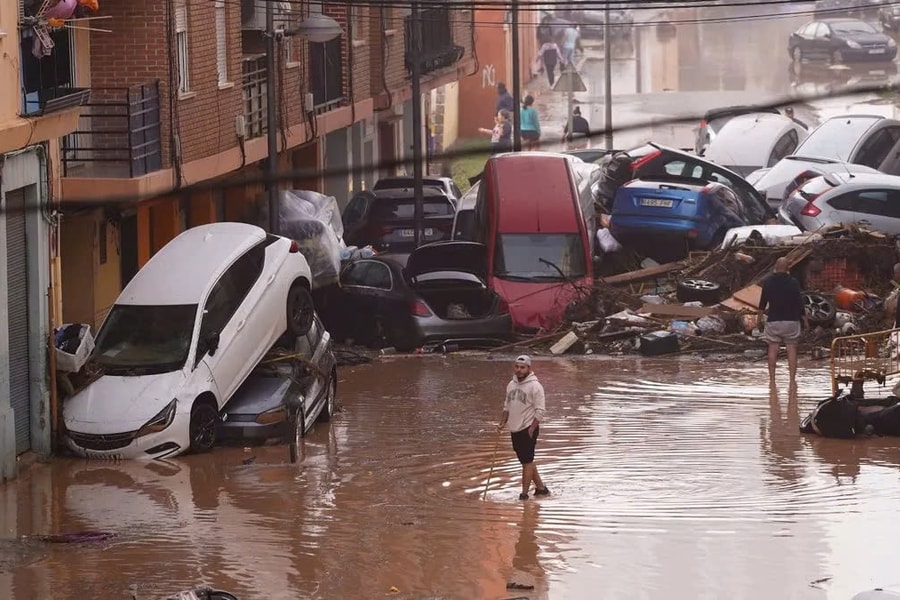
(212, 342)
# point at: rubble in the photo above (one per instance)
(850, 267)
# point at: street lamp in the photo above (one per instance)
(316, 28)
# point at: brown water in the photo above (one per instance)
(670, 479)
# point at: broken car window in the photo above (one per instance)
(146, 339)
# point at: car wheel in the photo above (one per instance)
(819, 309)
(204, 419)
(837, 57)
(298, 429)
(797, 54)
(300, 310)
(330, 406)
(401, 338)
(698, 290)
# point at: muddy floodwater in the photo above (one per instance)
(677, 478)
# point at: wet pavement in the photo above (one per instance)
(675, 478)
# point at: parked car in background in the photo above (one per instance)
(871, 200)
(715, 119)
(284, 398)
(869, 140)
(889, 16)
(754, 141)
(438, 292)
(445, 184)
(537, 229)
(817, 78)
(840, 40)
(182, 337)
(592, 22)
(792, 171)
(385, 219)
(664, 218)
(464, 219)
(654, 160)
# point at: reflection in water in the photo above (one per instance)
(670, 478)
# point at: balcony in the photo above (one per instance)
(47, 83)
(438, 49)
(118, 134)
(253, 82)
(326, 74)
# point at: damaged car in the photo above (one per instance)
(183, 336)
(437, 293)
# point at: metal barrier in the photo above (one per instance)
(865, 356)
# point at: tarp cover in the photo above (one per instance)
(314, 221)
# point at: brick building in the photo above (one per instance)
(113, 142)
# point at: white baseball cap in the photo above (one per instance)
(523, 359)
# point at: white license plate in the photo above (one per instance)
(877, 51)
(411, 233)
(660, 202)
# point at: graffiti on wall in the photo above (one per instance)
(488, 76)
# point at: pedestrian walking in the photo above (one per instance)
(504, 99)
(580, 136)
(782, 302)
(523, 411)
(550, 56)
(789, 113)
(530, 123)
(570, 41)
(501, 133)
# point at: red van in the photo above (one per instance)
(537, 229)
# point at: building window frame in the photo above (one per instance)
(221, 19)
(182, 48)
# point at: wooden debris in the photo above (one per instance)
(564, 343)
(677, 310)
(642, 274)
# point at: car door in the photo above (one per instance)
(823, 42)
(316, 345)
(389, 304)
(366, 286)
(223, 341)
(876, 148)
(876, 209)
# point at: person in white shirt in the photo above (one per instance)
(523, 411)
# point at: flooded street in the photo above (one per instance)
(669, 478)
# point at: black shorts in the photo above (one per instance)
(531, 136)
(524, 445)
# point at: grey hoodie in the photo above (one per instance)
(524, 402)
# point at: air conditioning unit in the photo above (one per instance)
(397, 110)
(240, 126)
(253, 14)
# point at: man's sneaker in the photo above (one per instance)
(542, 492)
(523, 496)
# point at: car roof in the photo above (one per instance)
(185, 268)
(406, 193)
(737, 110)
(866, 178)
(749, 139)
(688, 183)
(394, 179)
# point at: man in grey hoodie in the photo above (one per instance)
(523, 410)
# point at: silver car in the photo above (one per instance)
(844, 198)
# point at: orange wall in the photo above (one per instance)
(478, 92)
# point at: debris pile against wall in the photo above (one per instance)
(708, 302)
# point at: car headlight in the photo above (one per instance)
(275, 415)
(853, 44)
(891, 43)
(162, 420)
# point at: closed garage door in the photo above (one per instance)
(17, 274)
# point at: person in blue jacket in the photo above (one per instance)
(530, 124)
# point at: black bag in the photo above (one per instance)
(835, 417)
(887, 420)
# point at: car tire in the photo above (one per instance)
(202, 430)
(300, 310)
(698, 290)
(819, 310)
(298, 427)
(330, 406)
(401, 338)
(837, 57)
(797, 54)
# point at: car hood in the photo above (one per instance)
(866, 38)
(114, 404)
(467, 257)
(259, 394)
(537, 305)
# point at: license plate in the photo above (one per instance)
(877, 51)
(408, 233)
(101, 456)
(659, 202)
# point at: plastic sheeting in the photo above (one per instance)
(313, 220)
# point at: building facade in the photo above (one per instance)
(152, 120)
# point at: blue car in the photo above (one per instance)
(667, 217)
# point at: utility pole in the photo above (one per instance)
(607, 63)
(416, 52)
(271, 120)
(516, 78)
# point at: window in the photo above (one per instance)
(181, 47)
(356, 210)
(875, 149)
(539, 257)
(145, 339)
(357, 22)
(367, 273)
(221, 42)
(784, 146)
(880, 203)
(405, 209)
(844, 202)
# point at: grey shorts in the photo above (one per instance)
(782, 332)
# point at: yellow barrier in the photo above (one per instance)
(865, 356)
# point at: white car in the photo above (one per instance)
(755, 141)
(182, 337)
(777, 183)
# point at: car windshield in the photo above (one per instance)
(405, 209)
(852, 27)
(835, 138)
(539, 256)
(145, 339)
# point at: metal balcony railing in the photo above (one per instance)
(438, 49)
(118, 135)
(255, 99)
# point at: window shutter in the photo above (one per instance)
(180, 15)
(221, 42)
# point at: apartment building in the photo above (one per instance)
(152, 118)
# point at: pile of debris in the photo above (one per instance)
(709, 301)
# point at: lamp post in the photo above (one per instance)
(316, 28)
